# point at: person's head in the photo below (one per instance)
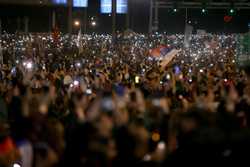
(153, 78)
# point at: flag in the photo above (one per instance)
(169, 56)
(165, 54)
(160, 51)
(78, 42)
(188, 35)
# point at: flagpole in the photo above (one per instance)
(114, 21)
(186, 16)
(26, 24)
(156, 13)
(150, 16)
(70, 16)
(53, 19)
(0, 26)
(128, 15)
(85, 20)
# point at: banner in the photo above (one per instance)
(188, 35)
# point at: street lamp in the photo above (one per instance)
(93, 23)
(204, 8)
(77, 23)
(232, 9)
(114, 21)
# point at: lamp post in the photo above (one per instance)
(53, 19)
(85, 20)
(156, 19)
(77, 23)
(18, 23)
(114, 21)
(128, 16)
(26, 24)
(151, 16)
(1, 52)
(70, 4)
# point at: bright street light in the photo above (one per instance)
(93, 23)
(77, 23)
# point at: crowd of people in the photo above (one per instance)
(83, 100)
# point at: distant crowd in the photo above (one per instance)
(82, 100)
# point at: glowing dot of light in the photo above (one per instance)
(155, 137)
